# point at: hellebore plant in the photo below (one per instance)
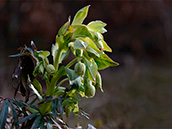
(46, 108)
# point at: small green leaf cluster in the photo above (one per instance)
(87, 44)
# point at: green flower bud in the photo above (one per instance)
(80, 68)
(50, 69)
(89, 89)
(98, 81)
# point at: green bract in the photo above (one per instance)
(89, 89)
(64, 85)
(80, 68)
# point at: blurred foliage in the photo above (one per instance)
(139, 34)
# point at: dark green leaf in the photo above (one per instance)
(29, 105)
(42, 124)
(15, 116)
(74, 79)
(49, 124)
(54, 107)
(36, 122)
(3, 114)
(104, 61)
(60, 105)
(96, 26)
(28, 117)
(19, 105)
(80, 16)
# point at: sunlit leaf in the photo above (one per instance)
(3, 114)
(64, 28)
(81, 31)
(92, 51)
(91, 70)
(79, 44)
(106, 47)
(104, 61)
(103, 30)
(43, 54)
(96, 26)
(80, 16)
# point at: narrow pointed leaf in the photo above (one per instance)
(54, 107)
(17, 55)
(28, 117)
(3, 114)
(104, 61)
(29, 105)
(49, 124)
(96, 26)
(36, 122)
(14, 115)
(80, 15)
(106, 47)
(19, 105)
(59, 127)
(37, 85)
(64, 28)
(103, 30)
(42, 124)
(35, 91)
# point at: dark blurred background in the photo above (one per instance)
(137, 92)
